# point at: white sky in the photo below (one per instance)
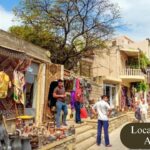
(6, 19)
(135, 13)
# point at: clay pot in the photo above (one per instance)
(16, 143)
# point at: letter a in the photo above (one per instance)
(147, 141)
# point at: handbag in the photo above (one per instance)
(83, 112)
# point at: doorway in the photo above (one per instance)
(111, 91)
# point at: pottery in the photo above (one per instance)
(26, 144)
(16, 143)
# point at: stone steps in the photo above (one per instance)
(80, 138)
(85, 136)
(80, 125)
(86, 144)
(83, 129)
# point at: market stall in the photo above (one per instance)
(12, 82)
(21, 88)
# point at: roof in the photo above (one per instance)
(8, 41)
(130, 52)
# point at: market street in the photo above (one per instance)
(115, 141)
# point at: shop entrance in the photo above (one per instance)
(110, 90)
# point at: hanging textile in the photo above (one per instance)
(78, 92)
(4, 84)
(68, 84)
(19, 87)
(72, 99)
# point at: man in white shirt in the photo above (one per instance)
(143, 110)
(103, 110)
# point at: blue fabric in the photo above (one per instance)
(77, 108)
(105, 125)
(61, 106)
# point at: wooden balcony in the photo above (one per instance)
(133, 75)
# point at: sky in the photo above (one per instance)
(135, 15)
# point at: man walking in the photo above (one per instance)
(60, 95)
(103, 110)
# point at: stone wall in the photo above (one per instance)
(115, 122)
(97, 91)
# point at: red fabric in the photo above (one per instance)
(78, 92)
(83, 113)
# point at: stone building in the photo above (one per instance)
(112, 70)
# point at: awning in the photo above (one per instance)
(111, 79)
(13, 53)
(130, 52)
(12, 59)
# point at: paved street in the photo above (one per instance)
(115, 141)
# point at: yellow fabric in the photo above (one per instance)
(4, 82)
(25, 117)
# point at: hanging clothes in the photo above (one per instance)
(19, 87)
(78, 92)
(4, 84)
(68, 84)
(72, 99)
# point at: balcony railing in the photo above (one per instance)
(132, 72)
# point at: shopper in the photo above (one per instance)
(103, 110)
(78, 103)
(137, 111)
(143, 109)
(60, 95)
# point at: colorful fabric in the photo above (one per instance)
(4, 83)
(73, 99)
(79, 92)
(19, 85)
(68, 84)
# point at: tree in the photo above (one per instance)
(42, 38)
(74, 26)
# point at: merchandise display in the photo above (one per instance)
(4, 84)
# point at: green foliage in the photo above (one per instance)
(41, 38)
(133, 63)
(141, 86)
(67, 28)
(143, 60)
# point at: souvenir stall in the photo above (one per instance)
(12, 82)
(13, 65)
(77, 85)
(16, 94)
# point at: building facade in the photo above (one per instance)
(118, 71)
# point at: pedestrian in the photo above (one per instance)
(60, 95)
(143, 109)
(137, 111)
(78, 103)
(103, 110)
